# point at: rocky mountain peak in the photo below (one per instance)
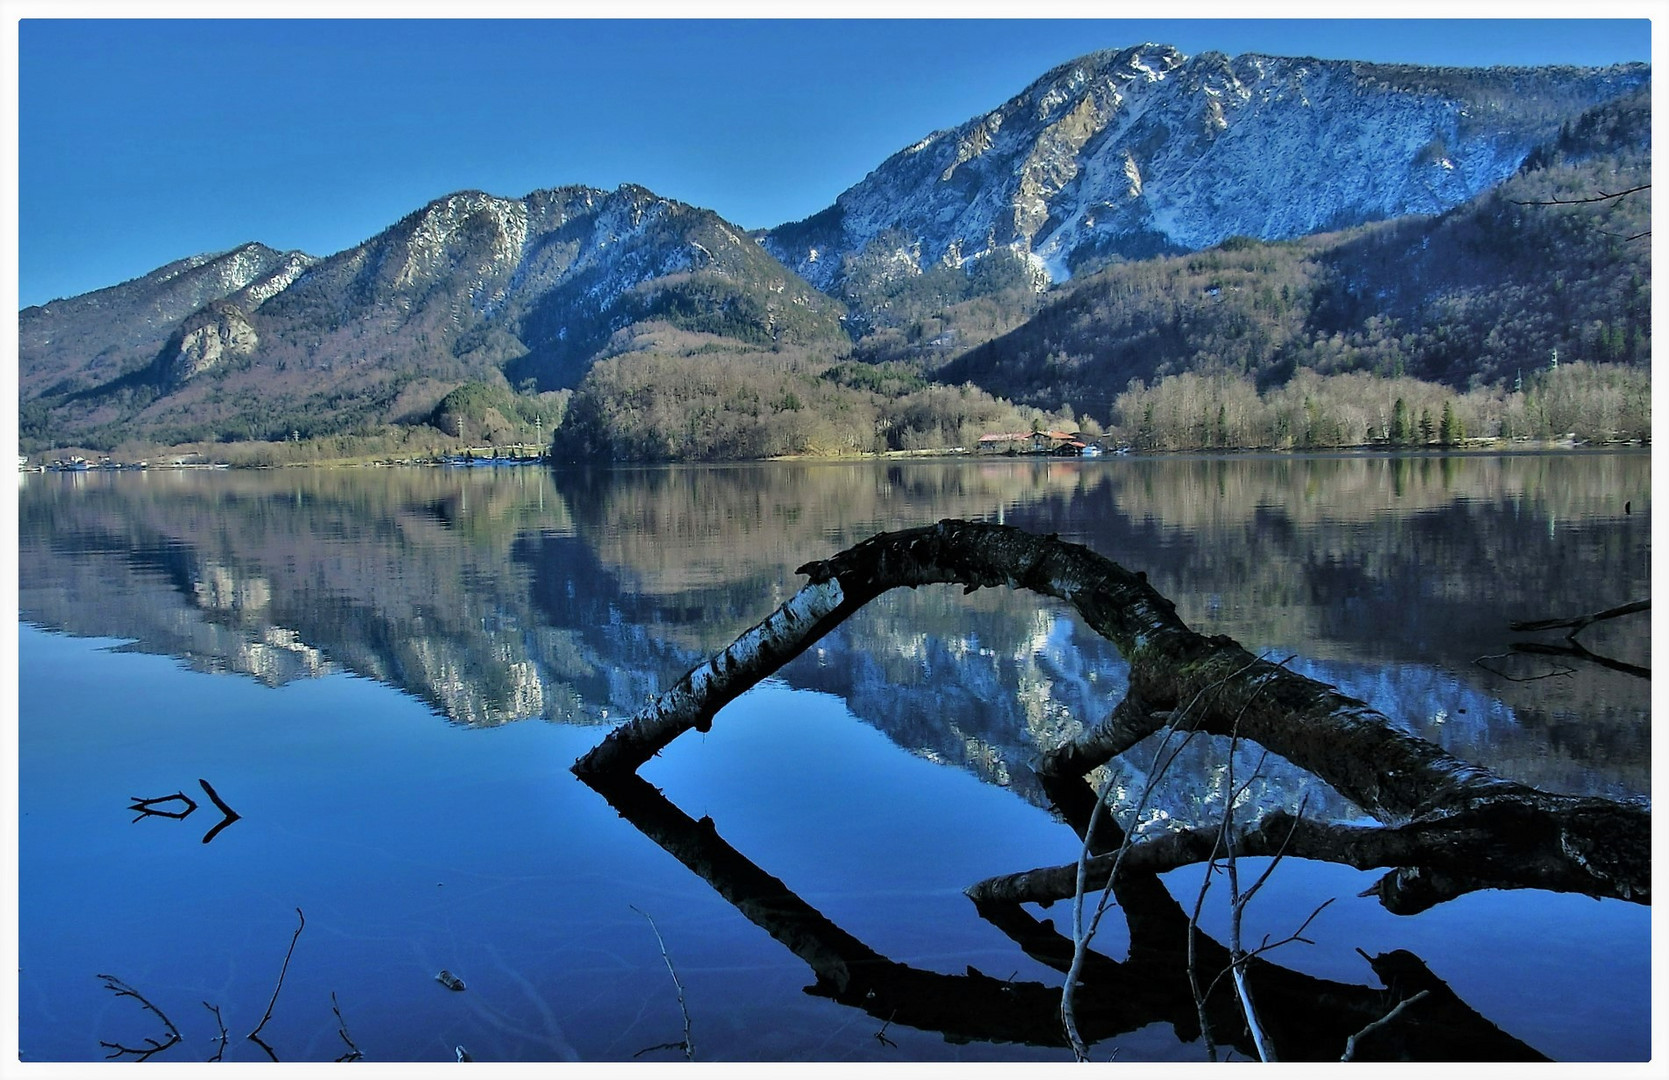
(1140, 151)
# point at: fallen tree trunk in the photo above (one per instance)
(696, 698)
(1449, 813)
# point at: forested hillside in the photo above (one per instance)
(668, 395)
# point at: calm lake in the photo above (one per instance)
(386, 674)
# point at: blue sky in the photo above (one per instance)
(140, 142)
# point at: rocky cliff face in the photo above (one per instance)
(1144, 151)
(217, 334)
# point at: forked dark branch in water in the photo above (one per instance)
(219, 1040)
(1575, 649)
(1578, 623)
(145, 808)
(229, 815)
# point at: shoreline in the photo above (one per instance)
(488, 459)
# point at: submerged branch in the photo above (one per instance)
(1388, 1018)
(1454, 810)
(352, 1053)
(688, 1045)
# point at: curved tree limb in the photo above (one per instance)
(255, 1036)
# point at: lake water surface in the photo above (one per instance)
(386, 673)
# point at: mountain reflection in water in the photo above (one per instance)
(503, 595)
(574, 596)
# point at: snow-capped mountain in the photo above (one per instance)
(1145, 151)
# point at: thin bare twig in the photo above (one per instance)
(1193, 964)
(353, 1053)
(1557, 672)
(1221, 841)
(1576, 624)
(1625, 239)
(1238, 900)
(1080, 936)
(1577, 650)
(1601, 197)
(220, 1050)
(254, 1036)
(688, 1044)
(1237, 905)
(1280, 853)
(152, 1047)
(1296, 935)
(1350, 1043)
